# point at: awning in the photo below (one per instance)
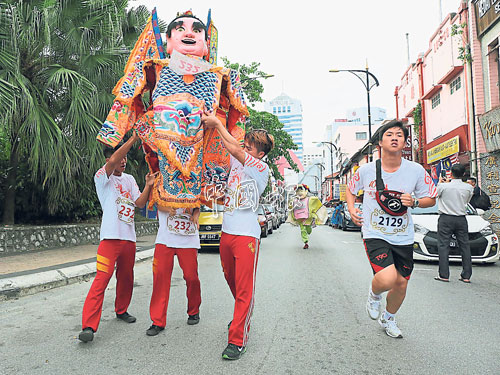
(433, 91)
(452, 73)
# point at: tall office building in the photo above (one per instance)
(289, 112)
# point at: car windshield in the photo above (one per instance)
(220, 208)
(434, 210)
(356, 205)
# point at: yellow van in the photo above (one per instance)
(210, 227)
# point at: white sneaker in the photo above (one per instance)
(373, 307)
(391, 327)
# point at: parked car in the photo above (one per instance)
(269, 218)
(329, 211)
(274, 218)
(483, 241)
(345, 218)
(265, 225)
(210, 226)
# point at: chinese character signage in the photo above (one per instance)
(490, 184)
(490, 128)
(487, 13)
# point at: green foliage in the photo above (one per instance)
(56, 78)
(248, 75)
(417, 120)
(464, 52)
(263, 120)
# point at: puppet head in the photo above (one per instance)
(301, 191)
(187, 35)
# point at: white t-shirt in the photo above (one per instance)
(117, 195)
(409, 178)
(178, 231)
(245, 185)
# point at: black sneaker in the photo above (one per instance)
(86, 335)
(126, 317)
(154, 330)
(193, 319)
(233, 352)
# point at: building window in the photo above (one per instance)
(289, 109)
(279, 109)
(436, 100)
(455, 84)
(360, 136)
(274, 109)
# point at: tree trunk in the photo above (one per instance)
(9, 207)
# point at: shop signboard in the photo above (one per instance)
(342, 189)
(490, 129)
(487, 14)
(490, 184)
(336, 191)
(442, 150)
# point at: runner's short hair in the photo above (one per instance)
(108, 151)
(260, 139)
(458, 170)
(393, 124)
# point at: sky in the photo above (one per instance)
(299, 43)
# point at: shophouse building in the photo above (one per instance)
(432, 99)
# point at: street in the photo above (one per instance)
(309, 318)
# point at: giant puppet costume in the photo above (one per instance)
(193, 164)
(306, 211)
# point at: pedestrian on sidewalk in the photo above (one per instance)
(118, 194)
(453, 197)
(177, 235)
(387, 226)
(239, 244)
(479, 197)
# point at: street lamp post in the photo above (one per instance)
(331, 146)
(321, 178)
(368, 87)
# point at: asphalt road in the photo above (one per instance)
(309, 318)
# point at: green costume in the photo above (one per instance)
(306, 213)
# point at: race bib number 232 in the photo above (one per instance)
(125, 210)
(180, 224)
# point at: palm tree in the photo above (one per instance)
(59, 60)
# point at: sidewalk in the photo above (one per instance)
(29, 273)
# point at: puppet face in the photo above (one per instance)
(301, 192)
(188, 38)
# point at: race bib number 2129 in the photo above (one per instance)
(387, 224)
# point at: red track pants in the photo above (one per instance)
(109, 253)
(163, 263)
(239, 255)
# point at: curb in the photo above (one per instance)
(19, 286)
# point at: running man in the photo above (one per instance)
(177, 235)
(239, 244)
(388, 238)
(118, 194)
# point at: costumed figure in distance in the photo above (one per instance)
(306, 211)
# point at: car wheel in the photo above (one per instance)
(263, 233)
(344, 228)
(271, 230)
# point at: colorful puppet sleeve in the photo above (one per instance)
(128, 107)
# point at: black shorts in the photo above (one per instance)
(382, 254)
